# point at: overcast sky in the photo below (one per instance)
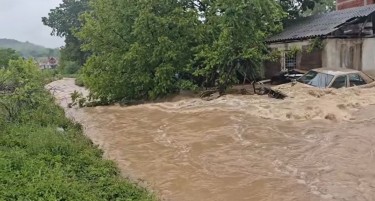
(21, 20)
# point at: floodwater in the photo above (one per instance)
(319, 146)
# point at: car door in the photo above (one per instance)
(356, 80)
(340, 82)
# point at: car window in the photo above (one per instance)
(316, 79)
(356, 80)
(339, 82)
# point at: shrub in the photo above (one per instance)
(79, 80)
(70, 67)
(43, 155)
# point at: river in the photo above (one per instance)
(238, 148)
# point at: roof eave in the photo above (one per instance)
(291, 40)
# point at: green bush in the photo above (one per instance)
(70, 68)
(79, 80)
(43, 155)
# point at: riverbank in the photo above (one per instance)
(303, 104)
(45, 156)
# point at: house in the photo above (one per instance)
(343, 38)
(48, 63)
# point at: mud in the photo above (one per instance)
(312, 146)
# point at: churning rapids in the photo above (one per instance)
(253, 148)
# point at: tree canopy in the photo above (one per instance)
(148, 49)
(64, 21)
(301, 8)
(322, 7)
(7, 55)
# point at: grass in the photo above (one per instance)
(45, 156)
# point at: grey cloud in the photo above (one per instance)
(21, 20)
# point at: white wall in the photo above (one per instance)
(342, 53)
(331, 54)
(368, 54)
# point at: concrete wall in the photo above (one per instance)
(343, 53)
(356, 54)
(368, 55)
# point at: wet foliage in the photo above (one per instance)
(43, 155)
(145, 50)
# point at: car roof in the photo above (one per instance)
(336, 71)
(344, 71)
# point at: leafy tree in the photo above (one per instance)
(148, 49)
(301, 8)
(322, 7)
(295, 8)
(64, 21)
(235, 39)
(69, 68)
(6, 55)
(18, 80)
(139, 48)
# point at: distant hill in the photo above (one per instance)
(27, 49)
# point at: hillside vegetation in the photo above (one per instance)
(27, 49)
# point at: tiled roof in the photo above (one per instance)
(321, 25)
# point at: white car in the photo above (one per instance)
(321, 78)
(335, 78)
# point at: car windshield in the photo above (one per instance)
(316, 79)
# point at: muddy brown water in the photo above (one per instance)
(234, 149)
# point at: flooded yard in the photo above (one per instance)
(311, 148)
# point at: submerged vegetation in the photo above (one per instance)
(43, 155)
